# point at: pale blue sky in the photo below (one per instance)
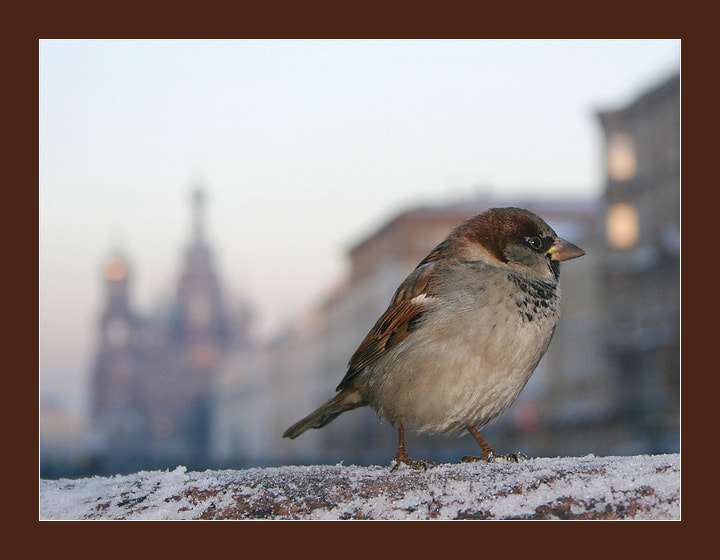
(303, 146)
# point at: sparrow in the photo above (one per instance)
(462, 335)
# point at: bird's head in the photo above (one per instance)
(514, 238)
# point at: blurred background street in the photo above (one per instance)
(221, 223)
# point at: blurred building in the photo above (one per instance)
(64, 441)
(641, 275)
(152, 375)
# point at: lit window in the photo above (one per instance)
(622, 225)
(116, 269)
(621, 161)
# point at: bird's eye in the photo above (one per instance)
(534, 242)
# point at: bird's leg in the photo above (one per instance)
(487, 452)
(404, 458)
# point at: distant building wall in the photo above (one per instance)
(642, 273)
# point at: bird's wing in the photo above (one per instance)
(399, 320)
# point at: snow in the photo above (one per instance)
(636, 487)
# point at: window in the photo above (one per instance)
(622, 225)
(621, 157)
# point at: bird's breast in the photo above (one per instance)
(470, 359)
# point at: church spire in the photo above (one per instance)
(198, 210)
(201, 314)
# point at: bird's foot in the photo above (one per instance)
(416, 464)
(492, 456)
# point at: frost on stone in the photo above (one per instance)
(639, 487)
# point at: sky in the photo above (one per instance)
(303, 148)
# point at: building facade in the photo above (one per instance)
(641, 277)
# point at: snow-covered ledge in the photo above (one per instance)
(639, 487)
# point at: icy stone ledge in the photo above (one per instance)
(639, 487)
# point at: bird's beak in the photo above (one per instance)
(563, 250)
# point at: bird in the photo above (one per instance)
(462, 334)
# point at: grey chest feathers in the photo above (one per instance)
(536, 299)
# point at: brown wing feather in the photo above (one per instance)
(396, 323)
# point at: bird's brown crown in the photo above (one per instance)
(499, 227)
(493, 231)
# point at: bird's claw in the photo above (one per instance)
(515, 457)
(415, 464)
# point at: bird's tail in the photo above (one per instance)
(344, 401)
